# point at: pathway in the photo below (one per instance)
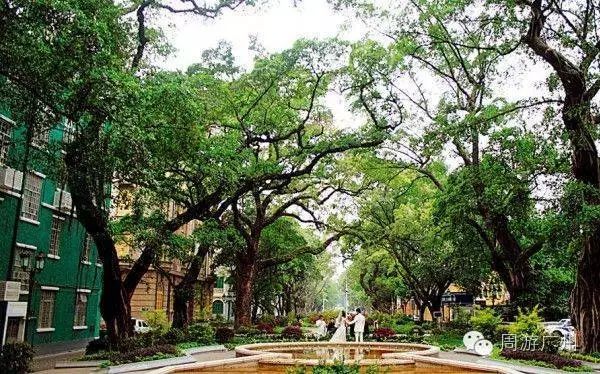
(480, 360)
(49, 362)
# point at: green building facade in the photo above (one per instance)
(42, 246)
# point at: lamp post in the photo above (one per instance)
(34, 268)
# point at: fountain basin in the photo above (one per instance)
(285, 357)
(315, 353)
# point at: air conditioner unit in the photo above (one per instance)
(9, 291)
(10, 178)
(62, 200)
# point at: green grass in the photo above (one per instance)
(447, 341)
(187, 345)
(593, 358)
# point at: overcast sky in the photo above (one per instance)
(278, 25)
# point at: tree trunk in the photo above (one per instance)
(244, 283)
(114, 302)
(422, 309)
(255, 310)
(206, 290)
(287, 300)
(577, 118)
(585, 297)
(516, 276)
(509, 259)
(184, 292)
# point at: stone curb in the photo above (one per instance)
(77, 364)
(149, 365)
(210, 364)
(204, 349)
(462, 364)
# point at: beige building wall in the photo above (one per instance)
(156, 289)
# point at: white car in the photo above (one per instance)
(140, 326)
(564, 330)
(561, 328)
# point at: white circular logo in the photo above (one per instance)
(470, 338)
(483, 347)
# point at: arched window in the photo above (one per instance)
(217, 307)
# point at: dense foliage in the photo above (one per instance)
(461, 170)
(16, 358)
(552, 359)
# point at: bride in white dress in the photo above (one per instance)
(340, 334)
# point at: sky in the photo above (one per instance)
(276, 26)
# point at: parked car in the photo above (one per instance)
(565, 331)
(562, 328)
(140, 326)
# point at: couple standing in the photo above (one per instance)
(342, 322)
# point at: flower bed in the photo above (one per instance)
(383, 334)
(551, 360)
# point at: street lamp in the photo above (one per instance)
(40, 260)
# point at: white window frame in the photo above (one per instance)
(68, 132)
(6, 127)
(32, 198)
(55, 230)
(81, 308)
(47, 305)
(86, 250)
(40, 137)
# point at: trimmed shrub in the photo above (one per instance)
(132, 343)
(15, 358)
(267, 318)
(486, 321)
(265, 328)
(383, 334)
(157, 320)
(501, 330)
(329, 314)
(292, 332)
(291, 318)
(247, 330)
(141, 353)
(280, 321)
(527, 324)
(461, 320)
(96, 345)
(417, 331)
(559, 362)
(382, 319)
(405, 328)
(174, 336)
(202, 333)
(224, 335)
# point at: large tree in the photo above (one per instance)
(397, 217)
(79, 60)
(373, 279)
(295, 286)
(443, 65)
(564, 35)
(230, 134)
